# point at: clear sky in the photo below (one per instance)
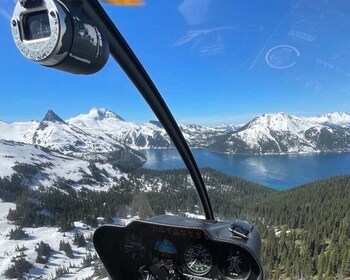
(214, 61)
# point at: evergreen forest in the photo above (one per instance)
(305, 231)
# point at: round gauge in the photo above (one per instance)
(235, 265)
(133, 247)
(198, 259)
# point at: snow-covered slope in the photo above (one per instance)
(101, 131)
(279, 122)
(18, 131)
(280, 133)
(202, 136)
(102, 122)
(57, 135)
(26, 248)
(103, 135)
(336, 119)
(149, 135)
(41, 167)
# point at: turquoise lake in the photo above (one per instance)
(275, 171)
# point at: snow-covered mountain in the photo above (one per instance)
(336, 119)
(102, 135)
(149, 135)
(57, 135)
(18, 131)
(202, 136)
(269, 133)
(102, 122)
(280, 134)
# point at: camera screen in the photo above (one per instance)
(36, 26)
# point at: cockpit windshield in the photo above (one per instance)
(261, 93)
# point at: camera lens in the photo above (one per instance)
(36, 25)
(60, 35)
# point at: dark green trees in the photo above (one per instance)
(43, 250)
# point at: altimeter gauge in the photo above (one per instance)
(198, 259)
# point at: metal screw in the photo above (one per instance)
(14, 23)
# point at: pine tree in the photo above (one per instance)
(79, 239)
(65, 246)
(19, 267)
(43, 252)
(17, 234)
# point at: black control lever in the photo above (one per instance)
(160, 271)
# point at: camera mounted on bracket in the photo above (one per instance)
(59, 34)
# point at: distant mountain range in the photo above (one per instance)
(143, 136)
(266, 134)
(105, 139)
(283, 134)
(98, 133)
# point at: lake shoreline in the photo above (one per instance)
(279, 172)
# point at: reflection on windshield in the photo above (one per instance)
(261, 91)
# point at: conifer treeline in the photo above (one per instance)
(305, 231)
(312, 223)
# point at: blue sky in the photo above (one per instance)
(213, 61)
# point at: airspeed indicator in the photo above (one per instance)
(198, 259)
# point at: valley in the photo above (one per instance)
(60, 180)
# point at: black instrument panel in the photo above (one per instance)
(177, 248)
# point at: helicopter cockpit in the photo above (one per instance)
(172, 247)
(54, 34)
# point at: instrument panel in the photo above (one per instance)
(165, 248)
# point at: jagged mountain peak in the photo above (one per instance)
(101, 131)
(51, 116)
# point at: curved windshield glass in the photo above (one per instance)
(261, 93)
